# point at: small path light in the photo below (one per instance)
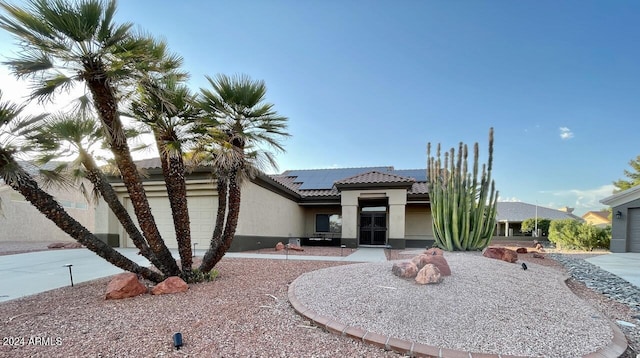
(286, 250)
(70, 274)
(177, 340)
(342, 249)
(193, 253)
(389, 247)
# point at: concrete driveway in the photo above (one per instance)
(625, 265)
(35, 272)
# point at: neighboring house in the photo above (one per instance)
(597, 218)
(511, 215)
(350, 206)
(21, 221)
(625, 225)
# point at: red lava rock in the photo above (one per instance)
(521, 250)
(500, 253)
(437, 260)
(72, 245)
(173, 284)
(295, 247)
(405, 269)
(537, 255)
(56, 245)
(434, 251)
(124, 285)
(279, 246)
(428, 274)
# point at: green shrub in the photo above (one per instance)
(196, 276)
(571, 234)
(530, 224)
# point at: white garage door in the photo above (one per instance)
(202, 211)
(634, 230)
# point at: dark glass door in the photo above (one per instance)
(373, 228)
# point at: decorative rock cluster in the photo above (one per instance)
(280, 246)
(127, 285)
(428, 267)
(64, 245)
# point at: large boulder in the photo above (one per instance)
(173, 284)
(521, 250)
(429, 274)
(434, 251)
(500, 253)
(405, 269)
(437, 260)
(124, 285)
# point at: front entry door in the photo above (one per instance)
(373, 228)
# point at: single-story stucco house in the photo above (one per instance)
(625, 225)
(355, 207)
(21, 221)
(511, 215)
(597, 218)
(370, 206)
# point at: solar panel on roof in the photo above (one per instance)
(324, 178)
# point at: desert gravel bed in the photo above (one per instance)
(486, 306)
(243, 313)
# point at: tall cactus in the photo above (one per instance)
(463, 209)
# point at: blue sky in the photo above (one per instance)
(368, 83)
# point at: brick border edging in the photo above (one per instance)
(614, 349)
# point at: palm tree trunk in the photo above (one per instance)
(107, 108)
(98, 179)
(230, 226)
(47, 205)
(174, 178)
(216, 238)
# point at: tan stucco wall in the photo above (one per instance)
(418, 224)
(595, 219)
(262, 212)
(21, 221)
(265, 213)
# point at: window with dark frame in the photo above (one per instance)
(328, 223)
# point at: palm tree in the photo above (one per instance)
(64, 43)
(65, 135)
(11, 128)
(240, 124)
(166, 106)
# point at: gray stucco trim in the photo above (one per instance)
(620, 240)
(250, 242)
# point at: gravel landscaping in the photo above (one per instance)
(245, 312)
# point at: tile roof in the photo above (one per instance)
(519, 211)
(320, 183)
(374, 177)
(604, 214)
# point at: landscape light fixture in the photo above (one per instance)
(177, 340)
(70, 274)
(193, 253)
(341, 249)
(618, 214)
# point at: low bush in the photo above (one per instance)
(571, 234)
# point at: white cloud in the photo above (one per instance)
(585, 199)
(565, 133)
(512, 199)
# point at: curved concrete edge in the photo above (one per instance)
(614, 349)
(618, 343)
